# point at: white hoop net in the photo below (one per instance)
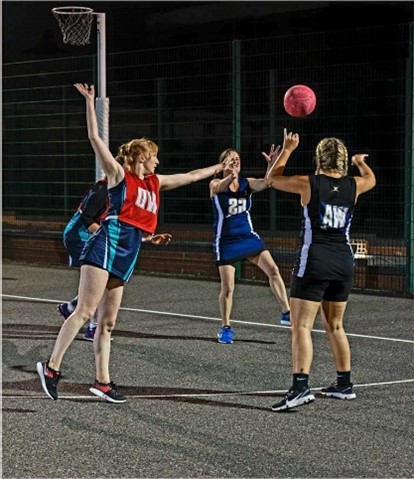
(75, 24)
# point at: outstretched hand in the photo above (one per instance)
(161, 239)
(358, 158)
(290, 140)
(87, 91)
(273, 154)
(228, 165)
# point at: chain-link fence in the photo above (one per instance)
(198, 100)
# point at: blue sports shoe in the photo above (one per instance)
(63, 310)
(225, 335)
(89, 333)
(285, 319)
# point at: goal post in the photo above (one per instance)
(102, 115)
(76, 24)
(102, 102)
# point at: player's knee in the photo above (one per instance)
(334, 325)
(227, 292)
(83, 313)
(109, 323)
(274, 273)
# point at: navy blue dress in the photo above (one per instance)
(234, 235)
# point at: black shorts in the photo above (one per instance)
(318, 290)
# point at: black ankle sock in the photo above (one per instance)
(300, 381)
(343, 378)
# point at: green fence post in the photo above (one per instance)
(161, 131)
(236, 90)
(236, 106)
(409, 165)
(65, 151)
(272, 139)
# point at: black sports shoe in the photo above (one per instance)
(294, 399)
(339, 392)
(49, 379)
(109, 392)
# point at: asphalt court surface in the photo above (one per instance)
(197, 408)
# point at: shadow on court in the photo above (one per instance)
(197, 408)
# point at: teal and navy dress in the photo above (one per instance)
(133, 209)
(91, 209)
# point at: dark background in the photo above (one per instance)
(30, 31)
(356, 55)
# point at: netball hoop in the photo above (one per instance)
(76, 24)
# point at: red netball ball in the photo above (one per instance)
(299, 101)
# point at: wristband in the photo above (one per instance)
(148, 238)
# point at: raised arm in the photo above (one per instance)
(113, 170)
(218, 185)
(298, 184)
(260, 184)
(277, 164)
(367, 180)
(170, 182)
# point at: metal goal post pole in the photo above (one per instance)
(102, 102)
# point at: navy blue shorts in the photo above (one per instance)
(114, 247)
(318, 290)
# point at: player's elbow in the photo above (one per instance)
(193, 177)
(93, 138)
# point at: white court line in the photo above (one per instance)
(196, 395)
(193, 316)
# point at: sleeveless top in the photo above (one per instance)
(324, 251)
(135, 201)
(234, 236)
(231, 211)
(133, 208)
